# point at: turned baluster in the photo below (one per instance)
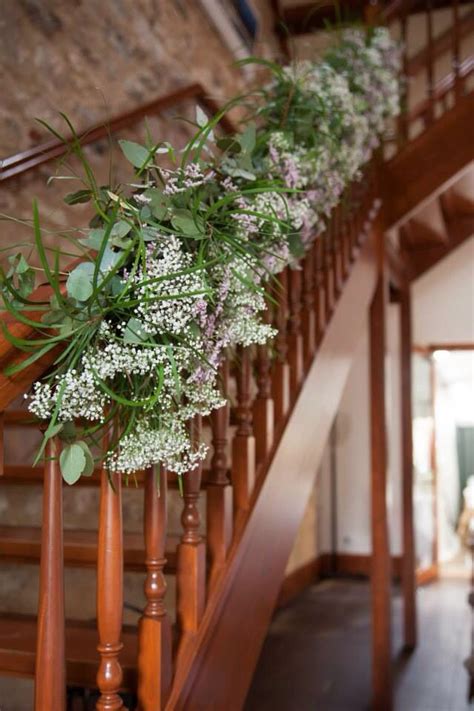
(154, 630)
(353, 222)
(456, 54)
(191, 574)
(110, 591)
(403, 118)
(243, 444)
(430, 62)
(2, 442)
(308, 308)
(345, 240)
(295, 338)
(281, 368)
(328, 299)
(318, 297)
(336, 254)
(50, 667)
(263, 408)
(219, 490)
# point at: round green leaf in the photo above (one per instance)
(89, 467)
(72, 462)
(79, 281)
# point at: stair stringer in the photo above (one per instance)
(215, 667)
(429, 164)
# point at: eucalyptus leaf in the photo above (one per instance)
(79, 281)
(183, 221)
(94, 239)
(134, 332)
(248, 138)
(136, 154)
(72, 462)
(120, 229)
(89, 466)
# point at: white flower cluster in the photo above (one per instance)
(350, 107)
(168, 444)
(372, 69)
(168, 303)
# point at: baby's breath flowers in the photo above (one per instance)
(174, 267)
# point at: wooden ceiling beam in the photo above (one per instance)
(459, 230)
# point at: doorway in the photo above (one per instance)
(443, 447)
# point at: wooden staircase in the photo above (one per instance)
(224, 552)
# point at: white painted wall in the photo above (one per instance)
(443, 300)
(443, 311)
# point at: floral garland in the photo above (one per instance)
(174, 266)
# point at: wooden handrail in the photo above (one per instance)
(441, 44)
(38, 155)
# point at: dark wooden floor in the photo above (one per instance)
(317, 653)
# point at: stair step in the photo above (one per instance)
(23, 544)
(25, 475)
(18, 650)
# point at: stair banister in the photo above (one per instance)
(50, 670)
(219, 510)
(154, 633)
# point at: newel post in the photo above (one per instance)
(380, 561)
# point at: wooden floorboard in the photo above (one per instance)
(317, 654)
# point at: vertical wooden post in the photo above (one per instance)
(50, 667)
(2, 442)
(263, 409)
(191, 575)
(317, 292)
(281, 368)
(154, 630)
(308, 308)
(219, 490)
(380, 573)
(110, 591)
(430, 62)
(408, 560)
(403, 118)
(456, 52)
(328, 282)
(243, 444)
(295, 339)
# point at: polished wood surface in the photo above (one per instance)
(50, 668)
(191, 574)
(38, 155)
(219, 513)
(154, 634)
(380, 574)
(110, 592)
(428, 164)
(281, 368)
(243, 443)
(408, 532)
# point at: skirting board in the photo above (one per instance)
(328, 565)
